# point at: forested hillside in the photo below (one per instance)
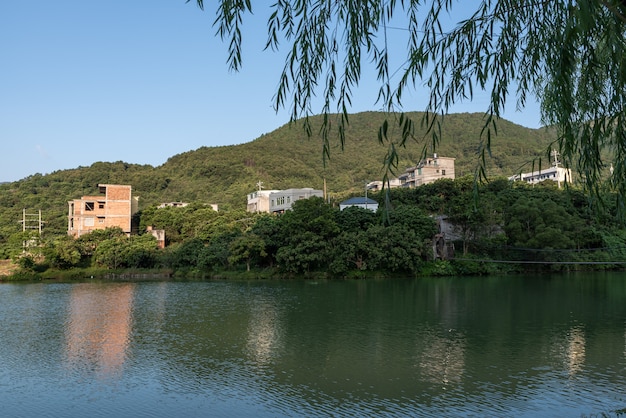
(281, 159)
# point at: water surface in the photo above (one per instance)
(496, 346)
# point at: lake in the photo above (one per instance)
(551, 345)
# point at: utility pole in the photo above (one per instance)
(31, 221)
(555, 164)
(326, 198)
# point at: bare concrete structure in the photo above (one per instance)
(114, 207)
(428, 170)
(159, 234)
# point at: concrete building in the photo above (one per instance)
(378, 185)
(282, 200)
(113, 207)
(278, 201)
(427, 171)
(554, 173)
(158, 234)
(259, 201)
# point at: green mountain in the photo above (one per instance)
(282, 159)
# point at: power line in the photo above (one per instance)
(538, 262)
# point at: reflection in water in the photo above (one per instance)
(509, 346)
(263, 332)
(443, 359)
(98, 328)
(569, 350)
(575, 352)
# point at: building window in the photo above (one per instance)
(89, 206)
(443, 172)
(100, 205)
(88, 222)
(100, 220)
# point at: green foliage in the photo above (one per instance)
(355, 219)
(305, 252)
(26, 262)
(18, 240)
(352, 250)
(63, 252)
(398, 249)
(214, 256)
(306, 231)
(438, 268)
(88, 243)
(183, 255)
(123, 252)
(246, 248)
(268, 228)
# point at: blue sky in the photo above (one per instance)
(138, 81)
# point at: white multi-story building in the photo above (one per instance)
(259, 201)
(554, 173)
(278, 201)
(282, 200)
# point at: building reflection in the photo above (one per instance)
(575, 353)
(263, 333)
(98, 328)
(442, 360)
(570, 350)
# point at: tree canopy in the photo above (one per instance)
(569, 54)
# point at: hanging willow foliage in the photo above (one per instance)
(569, 54)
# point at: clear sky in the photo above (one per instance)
(138, 81)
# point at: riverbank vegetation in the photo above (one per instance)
(496, 227)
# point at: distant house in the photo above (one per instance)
(282, 200)
(278, 201)
(214, 206)
(172, 205)
(554, 173)
(159, 234)
(361, 202)
(259, 201)
(114, 207)
(427, 171)
(378, 185)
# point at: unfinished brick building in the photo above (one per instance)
(114, 207)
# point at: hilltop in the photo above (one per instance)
(281, 159)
